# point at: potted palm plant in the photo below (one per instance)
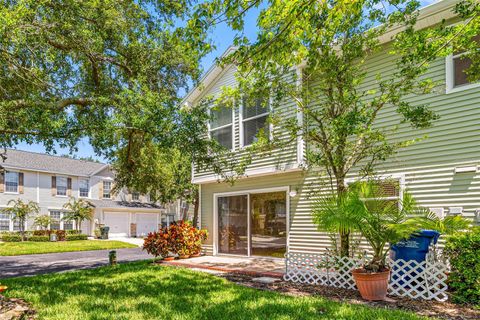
(382, 221)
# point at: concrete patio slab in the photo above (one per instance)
(255, 266)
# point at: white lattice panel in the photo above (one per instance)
(417, 280)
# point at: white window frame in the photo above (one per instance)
(450, 75)
(232, 124)
(243, 120)
(109, 190)
(61, 221)
(79, 188)
(57, 178)
(137, 198)
(10, 222)
(18, 181)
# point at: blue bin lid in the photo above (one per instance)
(430, 234)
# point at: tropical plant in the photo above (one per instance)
(158, 243)
(43, 221)
(20, 211)
(78, 211)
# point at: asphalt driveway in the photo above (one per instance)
(28, 265)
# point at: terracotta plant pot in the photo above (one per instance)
(372, 286)
(169, 258)
(184, 256)
(195, 255)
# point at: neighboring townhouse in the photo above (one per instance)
(268, 211)
(52, 180)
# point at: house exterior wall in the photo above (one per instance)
(427, 168)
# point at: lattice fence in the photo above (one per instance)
(417, 280)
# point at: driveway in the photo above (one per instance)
(28, 265)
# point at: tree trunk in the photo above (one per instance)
(344, 236)
(195, 210)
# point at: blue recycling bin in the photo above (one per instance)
(415, 247)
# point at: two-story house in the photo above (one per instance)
(51, 181)
(268, 211)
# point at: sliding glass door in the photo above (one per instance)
(252, 224)
(233, 224)
(268, 224)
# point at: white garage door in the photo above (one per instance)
(146, 222)
(118, 223)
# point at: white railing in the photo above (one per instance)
(417, 280)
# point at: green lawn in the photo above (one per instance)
(141, 290)
(28, 247)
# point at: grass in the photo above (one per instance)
(141, 290)
(30, 247)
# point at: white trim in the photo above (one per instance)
(249, 173)
(10, 168)
(450, 76)
(248, 192)
(199, 222)
(38, 187)
(95, 172)
(300, 140)
(231, 124)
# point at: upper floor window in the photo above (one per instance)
(254, 119)
(11, 181)
(62, 186)
(457, 65)
(107, 189)
(83, 187)
(221, 126)
(135, 196)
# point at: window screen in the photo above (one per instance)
(221, 126)
(255, 115)
(11, 181)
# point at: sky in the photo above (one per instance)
(221, 36)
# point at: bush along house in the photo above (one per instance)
(267, 211)
(51, 181)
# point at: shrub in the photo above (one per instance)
(158, 243)
(463, 251)
(11, 237)
(39, 238)
(61, 234)
(73, 237)
(41, 232)
(73, 231)
(180, 238)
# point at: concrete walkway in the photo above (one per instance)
(272, 267)
(28, 265)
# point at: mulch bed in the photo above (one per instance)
(13, 309)
(442, 310)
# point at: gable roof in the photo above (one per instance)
(26, 160)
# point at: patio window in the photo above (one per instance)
(107, 189)
(221, 126)
(11, 181)
(58, 222)
(83, 187)
(135, 196)
(457, 64)
(61, 186)
(4, 222)
(254, 119)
